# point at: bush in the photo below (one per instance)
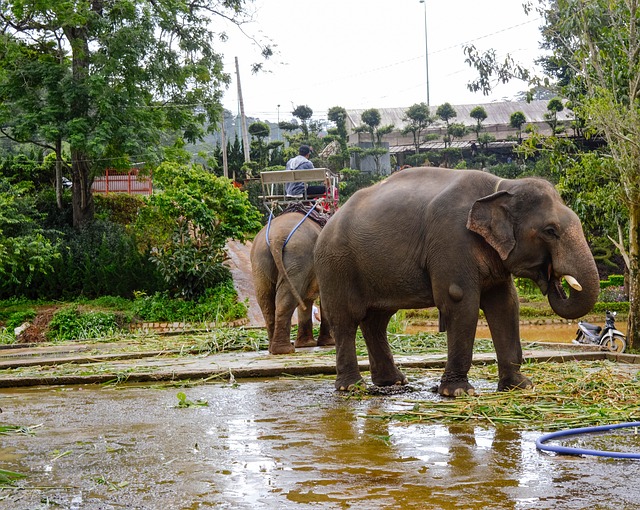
(613, 280)
(217, 305)
(188, 224)
(620, 307)
(18, 318)
(118, 208)
(72, 324)
(101, 259)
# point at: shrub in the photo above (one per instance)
(18, 318)
(219, 304)
(620, 307)
(72, 324)
(188, 223)
(100, 259)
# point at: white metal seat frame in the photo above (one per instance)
(274, 183)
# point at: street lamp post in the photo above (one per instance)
(278, 122)
(426, 47)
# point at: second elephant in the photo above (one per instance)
(284, 279)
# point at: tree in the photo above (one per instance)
(304, 113)
(188, 222)
(260, 131)
(516, 121)
(25, 248)
(480, 114)
(446, 112)
(419, 119)
(109, 79)
(371, 119)
(596, 59)
(554, 107)
(338, 115)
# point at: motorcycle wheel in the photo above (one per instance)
(615, 343)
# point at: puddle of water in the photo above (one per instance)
(281, 444)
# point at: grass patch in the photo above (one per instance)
(565, 395)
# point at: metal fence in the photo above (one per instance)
(123, 182)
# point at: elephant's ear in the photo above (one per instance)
(489, 217)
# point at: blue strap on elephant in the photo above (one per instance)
(290, 233)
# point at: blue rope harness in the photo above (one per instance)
(290, 233)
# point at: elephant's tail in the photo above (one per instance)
(277, 252)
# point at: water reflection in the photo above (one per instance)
(283, 444)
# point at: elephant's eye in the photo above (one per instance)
(551, 232)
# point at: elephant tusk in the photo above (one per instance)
(573, 282)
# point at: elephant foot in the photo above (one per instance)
(455, 388)
(282, 348)
(514, 381)
(326, 340)
(305, 342)
(348, 382)
(395, 378)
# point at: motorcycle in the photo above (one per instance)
(608, 337)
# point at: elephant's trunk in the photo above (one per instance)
(581, 272)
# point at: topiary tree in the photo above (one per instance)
(371, 119)
(446, 112)
(554, 107)
(480, 114)
(516, 121)
(419, 119)
(260, 130)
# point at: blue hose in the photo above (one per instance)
(581, 451)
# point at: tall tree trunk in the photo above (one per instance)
(83, 205)
(633, 326)
(80, 159)
(59, 172)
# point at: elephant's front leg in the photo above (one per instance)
(501, 308)
(383, 368)
(461, 317)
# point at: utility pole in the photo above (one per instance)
(245, 133)
(426, 47)
(225, 162)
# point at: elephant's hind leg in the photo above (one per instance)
(280, 343)
(305, 326)
(325, 337)
(383, 368)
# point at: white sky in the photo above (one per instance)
(371, 53)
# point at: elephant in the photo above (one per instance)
(284, 278)
(451, 239)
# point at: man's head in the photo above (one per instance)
(305, 150)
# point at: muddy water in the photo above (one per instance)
(557, 333)
(281, 444)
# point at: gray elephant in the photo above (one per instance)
(452, 239)
(284, 278)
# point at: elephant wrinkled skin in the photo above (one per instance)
(452, 239)
(284, 279)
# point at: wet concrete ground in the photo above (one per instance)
(279, 442)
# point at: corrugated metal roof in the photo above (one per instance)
(497, 114)
(439, 144)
